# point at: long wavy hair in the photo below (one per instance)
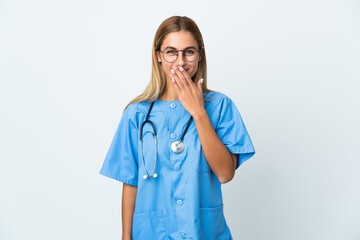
(157, 84)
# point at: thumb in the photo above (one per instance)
(199, 84)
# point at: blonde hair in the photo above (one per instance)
(157, 84)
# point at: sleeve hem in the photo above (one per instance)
(240, 150)
(132, 182)
(243, 153)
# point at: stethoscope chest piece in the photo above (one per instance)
(177, 147)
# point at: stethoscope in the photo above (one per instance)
(176, 146)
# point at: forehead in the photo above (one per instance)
(179, 40)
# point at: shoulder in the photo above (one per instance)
(135, 110)
(217, 99)
(130, 109)
(137, 107)
(128, 115)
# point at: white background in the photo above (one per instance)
(68, 69)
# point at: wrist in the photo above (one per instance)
(200, 115)
(126, 237)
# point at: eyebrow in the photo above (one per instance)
(176, 48)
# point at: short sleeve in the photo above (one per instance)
(232, 131)
(121, 159)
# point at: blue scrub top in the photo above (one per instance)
(185, 200)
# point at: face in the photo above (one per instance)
(179, 40)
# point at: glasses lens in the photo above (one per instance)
(191, 54)
(170, 54)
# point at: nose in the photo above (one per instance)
(180, 61)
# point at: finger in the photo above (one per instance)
(181, 77)
(177, 79)
(187, 77)
(199, 84)
(177, 89)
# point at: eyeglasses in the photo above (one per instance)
(170, 54)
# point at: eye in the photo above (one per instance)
(190, 51)
(170, 51)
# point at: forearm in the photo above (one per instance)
(128, 207)
(216, 153)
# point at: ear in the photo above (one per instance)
(200, 55)
(158, 56)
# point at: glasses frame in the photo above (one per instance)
(177, 53)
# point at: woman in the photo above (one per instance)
(172, 179)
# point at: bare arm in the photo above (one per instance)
(128, 207)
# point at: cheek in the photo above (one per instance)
(166, 68)
(194, 70)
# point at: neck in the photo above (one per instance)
(170, 93)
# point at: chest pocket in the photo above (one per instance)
(200, 164)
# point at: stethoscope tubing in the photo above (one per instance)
(178, 147)
(141, 144)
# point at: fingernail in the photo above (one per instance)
(181, 69)
(172, 70)
(201, 80)
(173, 79)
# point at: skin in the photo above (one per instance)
(128, 207)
